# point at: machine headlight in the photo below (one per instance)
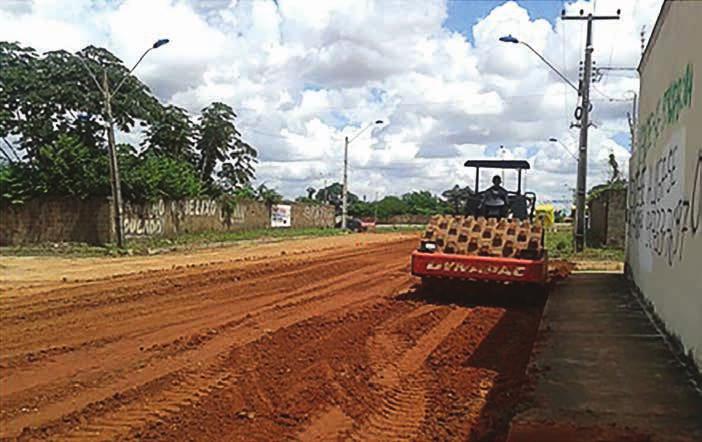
(428, 246)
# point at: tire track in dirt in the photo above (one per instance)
(137, 287)
(310, 281)
(403, 388)
(276, 315)
(401, 385)
(318, 347)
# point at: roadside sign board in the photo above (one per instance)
(281, 215)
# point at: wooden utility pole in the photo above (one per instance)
(114, 164)
(583, 114)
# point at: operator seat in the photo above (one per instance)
(519, 206)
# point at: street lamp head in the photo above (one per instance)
(509, 39)
(378, 121)
(160, 42)
(553, 140)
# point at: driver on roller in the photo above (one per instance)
(497, 189)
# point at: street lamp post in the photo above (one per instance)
(115, 183)
(344, 190)
(584, 93)
(511, 39)
(556, 140)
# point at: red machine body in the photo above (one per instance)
(479, 268)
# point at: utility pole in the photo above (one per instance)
(375, 218)
(344, 190)
(110, 129)
(114, 165)
(583, 114)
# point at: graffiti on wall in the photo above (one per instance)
(676, 98)
(317, 214)
(144, 220)
(195, 207)
(663, 214)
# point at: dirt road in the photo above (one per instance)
(330, 340)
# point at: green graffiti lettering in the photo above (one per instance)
(676, 98)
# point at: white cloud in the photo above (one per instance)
(302, 75)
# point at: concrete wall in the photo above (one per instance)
(312, 215)
(664, 238)
(56, 220)
(607, 219)
(89, 221)
(170, 218)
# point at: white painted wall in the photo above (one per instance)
(664, 239)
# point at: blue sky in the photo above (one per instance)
(463, 14)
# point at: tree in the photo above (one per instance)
(171, 133)
(332, 194)
(423, 203)
(50, 94)
(219, 141)
(245, 193)
(267, 195)
(457, 197)
(67, 167)
(391, 205)
(150, 177)
(310, 192)
(362, 209)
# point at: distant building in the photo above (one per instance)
(664, 237)
(607, 218)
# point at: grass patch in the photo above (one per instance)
(560, 245)
(145, 246)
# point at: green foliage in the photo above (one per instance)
(220, 141)
(267, 195)
(424, 203)
(65, 167)
(362, 209)
(332, 194)
(16, 183)
(68, 167)
(53, 110)
(171, 133)
(391, 205)
(560, 245)
(245, 193)
(307, 200)
(457, 198)
(151, 177)
(44, 96)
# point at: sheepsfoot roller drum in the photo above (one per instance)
(496, 239)
(481, 249)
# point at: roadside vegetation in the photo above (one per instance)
(560, 245)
